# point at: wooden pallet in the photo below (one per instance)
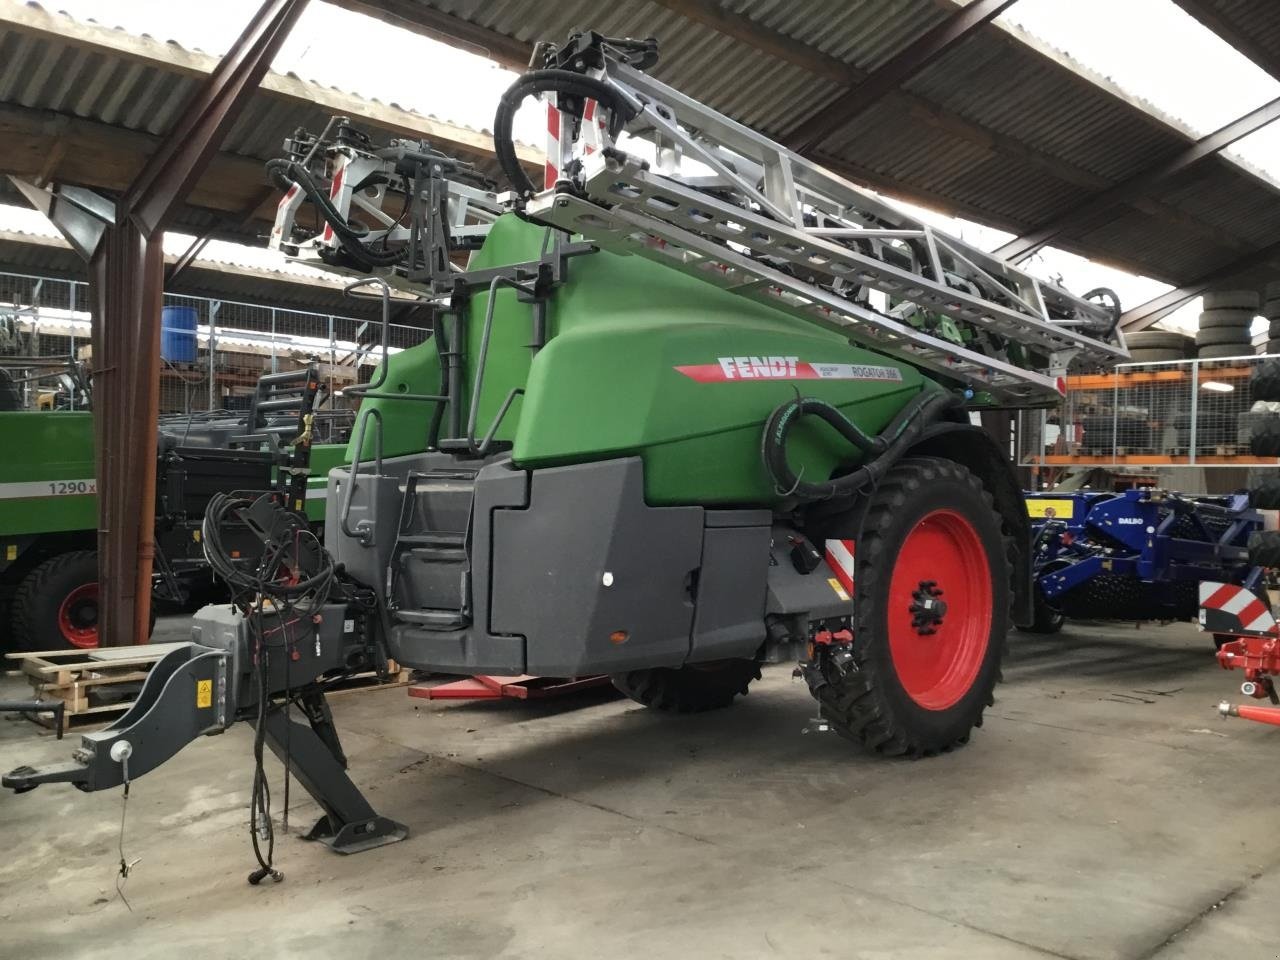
(79, 678)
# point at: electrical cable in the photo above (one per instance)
(276, 580)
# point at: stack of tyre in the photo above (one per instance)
(1225, 323)
(1271, 310)
(1159, 346)
(1264, 423)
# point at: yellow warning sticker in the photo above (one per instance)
(840, 591)
(204, 694)
(1050, 509)
(11, 551)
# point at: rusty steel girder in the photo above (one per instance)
(126, 280)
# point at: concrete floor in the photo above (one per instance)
(1103, 811)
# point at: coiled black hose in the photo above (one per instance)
(549, 81)
(882, 450)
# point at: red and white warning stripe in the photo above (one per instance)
(839, 555)
(551, 171)
(1239, 602)
(335, 194)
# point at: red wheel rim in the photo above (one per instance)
(942, 554)
(78, 616)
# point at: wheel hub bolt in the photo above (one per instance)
(927, 608)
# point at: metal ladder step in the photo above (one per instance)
(434, 619)
(440, 540)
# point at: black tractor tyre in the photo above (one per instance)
(1231, 299)
(1265, 495)
(1158, 339)
(1155, 355)
(868, 701)
(38, 616)
(1222, 336)
(1264, 440)
(1226, 317)
(1221, 351)
(1264, 548)
(1264, 381)
(693, 688)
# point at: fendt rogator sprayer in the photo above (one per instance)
(693, 404)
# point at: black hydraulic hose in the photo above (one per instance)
(1106, 293)
(549, 81)
(288, 173)
(882, 450)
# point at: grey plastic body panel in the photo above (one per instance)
(729, 621)
(588, 559)
(791, 592)
(554, 566)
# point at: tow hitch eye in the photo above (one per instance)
(927, 608)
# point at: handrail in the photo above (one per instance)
(473, 414)
(364, 529)
(369, 389)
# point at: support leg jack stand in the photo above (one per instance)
(349, 824)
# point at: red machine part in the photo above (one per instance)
(1261, 714)
(523, 687)
(1257, 656)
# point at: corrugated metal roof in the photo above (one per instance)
(61, 67)
(1003, 128)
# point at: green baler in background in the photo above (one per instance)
(49, 516)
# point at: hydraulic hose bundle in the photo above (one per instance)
(882, 450)
(352, 235)
(276, 584)
(564, 82)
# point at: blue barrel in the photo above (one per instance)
(178, 334)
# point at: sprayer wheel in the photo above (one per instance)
(929, 526)
(693, 688)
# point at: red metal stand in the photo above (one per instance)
(522, 687)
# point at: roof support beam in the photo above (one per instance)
(126, 289)
(1157, 308)
(1205, 12)
(894, 72)
(1134, 186)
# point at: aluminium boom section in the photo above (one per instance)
(757, 236)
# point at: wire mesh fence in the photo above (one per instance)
(1178, 413)
(212, 351)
